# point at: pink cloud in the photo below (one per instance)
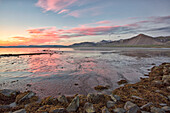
(63, 11)
(103, 22)
(54, 5)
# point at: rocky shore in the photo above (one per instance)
(151, 94)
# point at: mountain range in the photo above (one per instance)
(139, 40)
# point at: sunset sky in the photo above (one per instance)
(64, 22)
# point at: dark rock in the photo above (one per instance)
(73, 106)
(157, 110)
(4, 106)
(131, 107)
(119, 110)
(122, 82)
(89, 107)
(144, 112)
(105, 110)
(110, 104)
(94, 98)
(62, 99)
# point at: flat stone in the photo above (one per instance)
(119, 110)
(13, 104)
(58, 110)
(8, 92)
(89, 107)
(131, 107)
(62, 99)
(166, 108)
(136, 97)
(146, 105)
(163, 104)
(115, 98)
(20, 111)
(73, 106)
(110, 104)
(157, 110)
(105, 110)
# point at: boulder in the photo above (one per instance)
(157, 110)
(105, 110)
(119, 110)
(20, 111)
(62, 99)
(22, 97)
(110, 104)
(8, 92)
(131, 107)
(73, 106)
(115, 98)
(89, 107)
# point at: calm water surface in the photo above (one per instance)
(70, 71)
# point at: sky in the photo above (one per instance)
(64, 22)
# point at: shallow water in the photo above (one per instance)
(76, 70)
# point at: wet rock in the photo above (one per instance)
(122, 82)
(157, 83)
(131, 107)
(20, 111)
(119, 110)
(73, 106)
(146, 105)
(166, 108)
(157, 110)
(89, 107)
(166, 79)
(58, 110)
(115, 98)
(62, 99)
(23, 97)
(110, 104)
(100, 88)
(8, 92)
(105, 110)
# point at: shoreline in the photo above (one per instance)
(149, 94)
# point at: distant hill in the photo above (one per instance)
(139, 40)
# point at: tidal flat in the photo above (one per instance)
(70, 71)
